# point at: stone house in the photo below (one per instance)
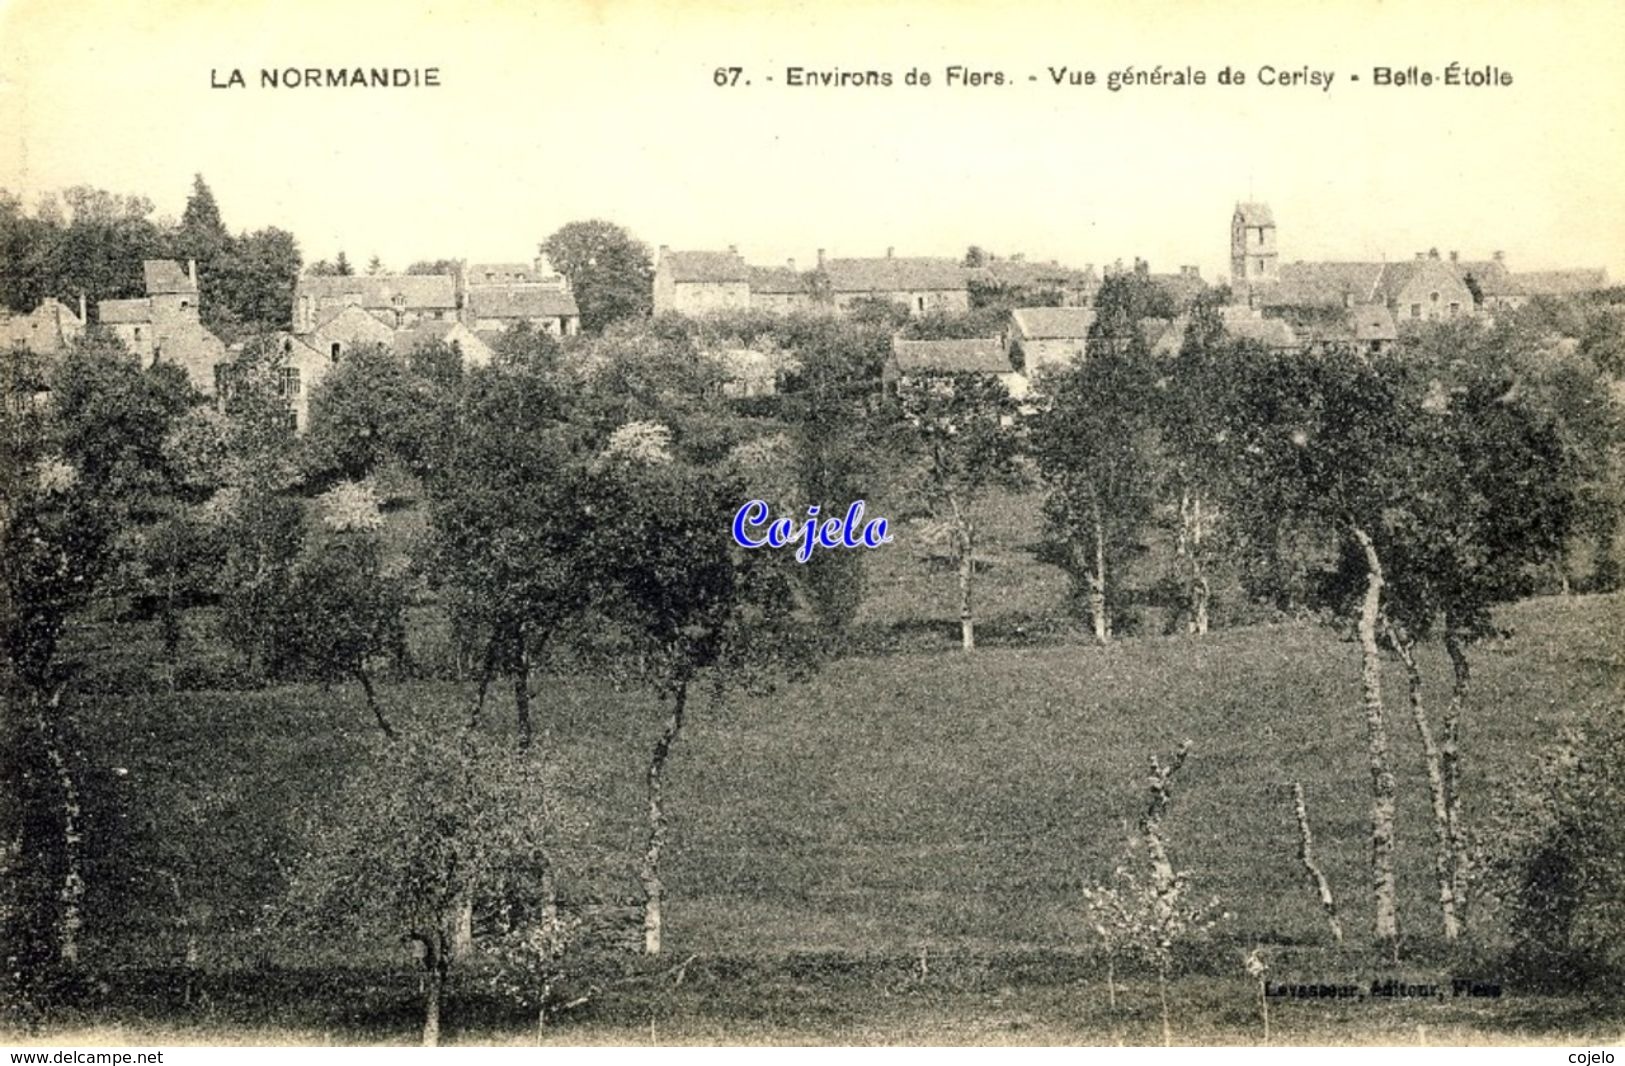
(1049, 336)
(49, 329)
(492, 308)
(164, 325)
(398, 301)
(695, 283)
(981, 355)
(923, 285)
(473, 350)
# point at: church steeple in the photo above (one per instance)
(1253, 255)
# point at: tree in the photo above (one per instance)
(339, 612)
(509, 524)
(375, 266)
(680, 603)
(1325, 441)
(957, 429)
(609, 270)
(426, 821)
(371, 409)
(1094, 444)
(452, 267)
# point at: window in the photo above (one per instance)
(334, 351)
(352, 299)
(138, 333)
(1260, 235)
(1455, 308)
(1416, 310)
(289, 382)
(1433, 297)
(920, 303)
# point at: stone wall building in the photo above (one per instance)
(398, 301)
(695, 283)
(48, 329)
(164, 325)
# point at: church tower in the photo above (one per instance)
(1253, 255)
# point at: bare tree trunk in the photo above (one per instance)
(372, 701)
(487, 670)
(1306, 853)
(70, 918)
(653, 890)
(1201, 592)
(1443, 856)
(521, 691)
(434, 986)
(1097, 579)
(1450, 763)
(1164, 881)
(965, 545)
(1382, 775)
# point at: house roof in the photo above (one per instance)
(1430, 271)
(1271, 332)
(408, 341)
(379, 291)
(117, 312)
(1053, 323)
(1037, 274)
(890, 274)
(983, 355)
(1255, 214)
(781, 280)
(499, 273)
(521, 301)
(333, 314)
(1321, 284)
(1490, 275)
(164, 276)
(1561, 282)
(718, 267)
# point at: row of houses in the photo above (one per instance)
(703, 282)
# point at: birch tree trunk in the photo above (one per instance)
(965, 546)
(1201, 592)
(1450, 762)
(1097, 579)
(654, 890)
(1306, 853)
(1443, 855)
(1382, 775)
(372, 701)
(70, 895)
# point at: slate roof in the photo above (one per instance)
(1492, 276)
(984, 355)
(1053, 323)
(438, 291)
(1024, 272)
(1271, 332)
(422, 335)
(714, 267)
(521, 301)
(1372, 322)
(777, 280)
(1560, 282)
(891, 274)
(1321, 284)
(1255, 214)
(1432, 272)
(164, 276)
(123, 312)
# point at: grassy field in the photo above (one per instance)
(890, 852)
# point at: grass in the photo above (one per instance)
(828, 837)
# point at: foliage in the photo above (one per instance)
(1554, 842)
(609, 271)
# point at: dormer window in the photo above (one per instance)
(1433, 297)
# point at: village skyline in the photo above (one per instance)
(614, 114)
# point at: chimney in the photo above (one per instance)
(889, 251)
(665, 250)
(1455, 257)
(791, 263)
(1019, 257)
(1421, 255)
(1433, 253)
(191, 271)
(733, 249)
(820, 259)
(1499, 256)
(1189, 271)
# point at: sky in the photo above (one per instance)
(555, 110)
